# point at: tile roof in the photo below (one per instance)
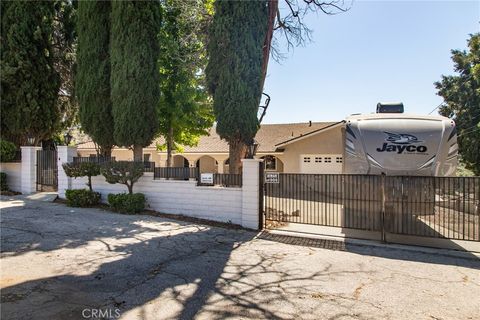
(267, 136)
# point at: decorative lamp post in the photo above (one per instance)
(252, 149)
(67, 137)
(30, 139)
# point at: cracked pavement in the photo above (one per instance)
(58, 261)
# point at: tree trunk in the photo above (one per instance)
(106, 151)
(130, 187)
(137, 153)
(90, 183)
(236, 153)
(169, 138)
(267, 44)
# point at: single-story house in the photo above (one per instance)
(311, 147)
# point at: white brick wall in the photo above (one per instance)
(29, 174)
(250, 192)
(177, 197)
(65, 154)
(235, 205)
(14, 175)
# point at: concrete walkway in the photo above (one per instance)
(66, 263)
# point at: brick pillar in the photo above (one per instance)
(65, 154)
(29, 172)
(250, 193)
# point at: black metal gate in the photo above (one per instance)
(441, 207)
(47, 172)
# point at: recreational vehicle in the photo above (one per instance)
(395, 143)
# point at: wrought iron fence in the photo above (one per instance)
(47, 172)
(93, 159)
(442, 207)
(175, 173)
(148, 166)
(227, 179)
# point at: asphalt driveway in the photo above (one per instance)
(64, 263)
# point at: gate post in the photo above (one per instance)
(28, 183)
(65, 154)
(251, 193)
(383, 207)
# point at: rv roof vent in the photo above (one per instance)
(395, 107)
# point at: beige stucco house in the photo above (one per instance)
(312, 147)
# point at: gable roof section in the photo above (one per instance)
(309, 134)
(269, 136)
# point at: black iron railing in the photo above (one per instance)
(227, 179)
(93, 159)
(442, 207)
(175, 173)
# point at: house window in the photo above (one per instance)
(339, 160)
(306, 159)
(327, 159)
(318, 159)
(270, 163)
(146, 157)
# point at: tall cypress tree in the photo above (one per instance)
(185, 108)
(134, 78)
(29, 82)
(234, 71)
(93, 72)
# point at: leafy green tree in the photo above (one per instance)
(82, 169)
(461, 94)
(29, 83)
(93, 73)
(64, 44)
(234, 71)
(123, 172)
(185, 109)
(134, 73)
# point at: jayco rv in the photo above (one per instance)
(396, 143)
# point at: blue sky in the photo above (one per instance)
(377, 51)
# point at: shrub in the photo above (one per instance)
(82, 169)
(123, 172)
(82, 197)
(127, 202)
(7, 151)
(3, 181)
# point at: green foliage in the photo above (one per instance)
(127, 203)
(93, 72)
(185, 108)
(461, 94)
(134, 72)
(82, 169)
(82, 197)
(29, 82)
(64, 44)
(7, 151)
(234, 70)
(123, 172)
(3, 181)
(462, 170)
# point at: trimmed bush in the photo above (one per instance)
(127, 202)
(3, 181)
(82, 197)
(7, 151)
(82, 169)
(123, 172)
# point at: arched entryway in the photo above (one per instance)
(207, 164)
(180, 161)
(272, 163)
